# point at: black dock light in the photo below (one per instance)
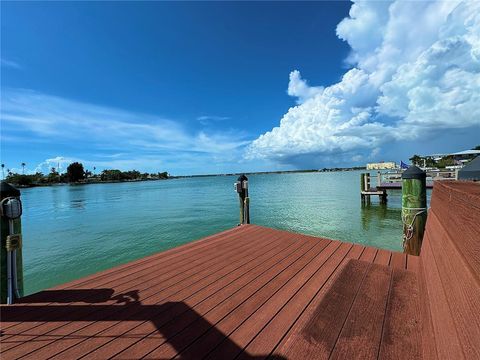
(11, 244)
(241, 187)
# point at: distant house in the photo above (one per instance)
(384, 165)
(459, 158)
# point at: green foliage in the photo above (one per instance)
(445, 161)
(429, 162)
(476, 147)
(118, 175)
(415, 159)
(75, 172)
(111, 175)
(23, 180)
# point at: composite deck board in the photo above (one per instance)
(243, 293)
(264, 341)
(229, 294)
(135, 330)
(163, 279)
(90, 328)
(361, 334)
(113, 280)
(402, 319)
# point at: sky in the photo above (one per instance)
(219, 87)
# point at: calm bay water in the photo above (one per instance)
(73, 231)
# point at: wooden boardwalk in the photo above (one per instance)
(241, 293)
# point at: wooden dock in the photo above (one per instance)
(252, 292)
(397, 185)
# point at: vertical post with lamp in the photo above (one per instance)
(11, 274)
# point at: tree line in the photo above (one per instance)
(77, 174)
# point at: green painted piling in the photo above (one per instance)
(7, 191)
(414, 209)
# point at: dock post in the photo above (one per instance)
(362, 187)
(11, 266)
(367, 186)
(241, 187)
(414, 209)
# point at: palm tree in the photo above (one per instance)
(94, 168)
(3, 171)
(23, 167)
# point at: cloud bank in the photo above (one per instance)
(415, 72)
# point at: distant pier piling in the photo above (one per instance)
(241, 187)
(414, 209)
(11, 274)
(366, 191)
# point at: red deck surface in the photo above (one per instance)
(250, 292)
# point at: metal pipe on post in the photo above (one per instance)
(414, 209)
(241, 187)
(11, 274)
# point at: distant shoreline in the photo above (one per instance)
(83, 183)
(95, 181)
(355, 168)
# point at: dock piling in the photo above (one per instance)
(414, 209)
(366, 191)
(241, 187)
(11, 274)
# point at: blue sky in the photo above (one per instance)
(219, 87)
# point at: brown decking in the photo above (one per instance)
(249, 292)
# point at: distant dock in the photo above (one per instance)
(397, 185)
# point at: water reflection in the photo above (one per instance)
(378, 215)
(77, 195)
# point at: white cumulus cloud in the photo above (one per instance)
(415, 71)
(299, 88)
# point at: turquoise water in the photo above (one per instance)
(73, 231)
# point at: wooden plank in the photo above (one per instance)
(176, 252)
(361, 334)
(315, 333)
(398, 260)
(115, 279)
(401, 337)
(461, 287)
(132, 331)
(120, 287)
(369, 254)
(382, 257)
(444, 334)
(429, 351)
(180, 344)
(81, 348)
(90, 311)
(201, 305)
(263, 313)
(242, 335)
(413, 263)
(264, 342)
(461, 224)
